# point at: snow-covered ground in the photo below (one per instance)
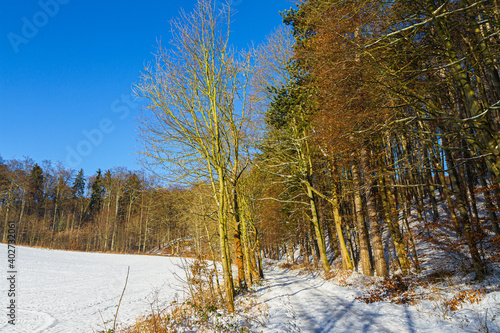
(303, 303)
(66, 292)
(60, 291)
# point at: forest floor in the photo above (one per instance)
(443, 297)
(302, 301)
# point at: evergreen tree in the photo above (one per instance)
(79, 185)
(4, 180)
(35, 188)
(97, 194)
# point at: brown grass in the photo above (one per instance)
(203, 310)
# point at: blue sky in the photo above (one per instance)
(67, 67)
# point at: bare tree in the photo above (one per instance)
(197, 103)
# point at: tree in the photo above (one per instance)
(96, 196)
(6, 193)
(79, 185)
(198, 105)
(289, 143)
(35, 188)
(401, 91)
(78, 190)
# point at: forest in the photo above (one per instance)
(360, 135)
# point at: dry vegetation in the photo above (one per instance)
(202, 310)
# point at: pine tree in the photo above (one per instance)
(96, 197)
(78, 190)
(79, 185)
(35, 188)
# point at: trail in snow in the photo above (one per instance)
(67, 292)
(302, 303)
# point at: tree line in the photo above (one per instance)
(120, 210)
(117, 210)
(389, 110)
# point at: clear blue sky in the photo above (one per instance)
(67, 67)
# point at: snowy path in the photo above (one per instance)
(301, 303)
(60, 291)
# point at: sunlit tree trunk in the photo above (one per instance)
(360, 223)
(374, 230)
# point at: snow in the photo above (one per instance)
(61, 291)
(306, 303)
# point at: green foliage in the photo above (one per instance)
(35, 190)
(295, 18)
(4, 179)
(288, 105)
(79, 185)
(97, 194)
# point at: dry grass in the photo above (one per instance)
(288, 265)
(339, 277)
(203, 310)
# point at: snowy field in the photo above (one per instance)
(66, 292)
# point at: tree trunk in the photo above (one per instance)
(224, 246)
(346, 260)
(489, 204)
(364, 255)
(319, 233)
(393, 226)
(374, 230)
(237, 239)
(464, 221)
